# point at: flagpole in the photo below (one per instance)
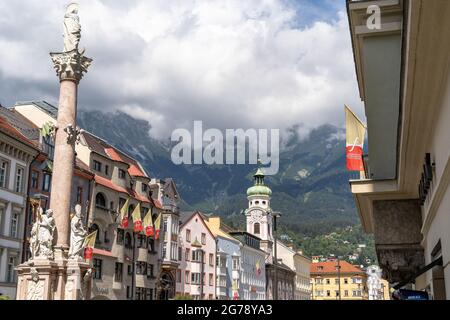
(133, 267)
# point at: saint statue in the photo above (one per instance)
(77, 234)
(72, 28)
(34, 243)
(45, 230)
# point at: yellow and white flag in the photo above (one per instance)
(157, 226)
(148, 224)
(124, 215)
(88, 244)
(354, 136)
(137, 221)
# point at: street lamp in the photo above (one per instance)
(339, 276)
(275, 265)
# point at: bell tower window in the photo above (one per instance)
(256, 228)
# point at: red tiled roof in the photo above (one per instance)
(331, 267)
(109, 184)
(157, 204)
(13, 132)
(137, 196)
(135, 171)
(113, 154)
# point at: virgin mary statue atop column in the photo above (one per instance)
(72, 28)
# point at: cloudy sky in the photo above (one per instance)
(232, 64)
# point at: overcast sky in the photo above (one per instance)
(232, 64)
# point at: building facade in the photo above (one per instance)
(252, 284)
(126, 264)
(16, 154)
(403, 194)
(40, 176)
(338, 280)
(299, 263)
(165, 197)
(228, 262)
(196, 274)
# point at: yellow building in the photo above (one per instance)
(332, 280)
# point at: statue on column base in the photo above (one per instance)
(77, 235)
(42, 232)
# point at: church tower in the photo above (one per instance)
(259, 214)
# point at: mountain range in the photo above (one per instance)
(311, 189)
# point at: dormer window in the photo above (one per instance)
(121, 174)
(144, 187)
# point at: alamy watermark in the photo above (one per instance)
(236, 146)
(374, 20)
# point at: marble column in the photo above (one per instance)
(70, 67)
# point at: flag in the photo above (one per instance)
(258, 268)
(137, 221)
(157, 226)
(88, 244)
(148, 224)
(124, 215)
(355, 133)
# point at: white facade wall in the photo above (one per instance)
(12, 220)
(437, 206)
(197, 228)
(253, 285)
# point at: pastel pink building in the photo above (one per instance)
(198, 244)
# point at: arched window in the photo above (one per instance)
(100, 200)
(256, 228)
(128, 243)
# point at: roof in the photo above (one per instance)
(81, 166)
(185, 217)
(109, 184)
(103, 148)
(8, 129)
(216, 226)
(331, 267)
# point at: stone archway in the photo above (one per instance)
(166, 286)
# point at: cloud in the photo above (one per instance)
(232, 64)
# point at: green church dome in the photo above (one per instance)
(259, 188)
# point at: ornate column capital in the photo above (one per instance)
(70, 65)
